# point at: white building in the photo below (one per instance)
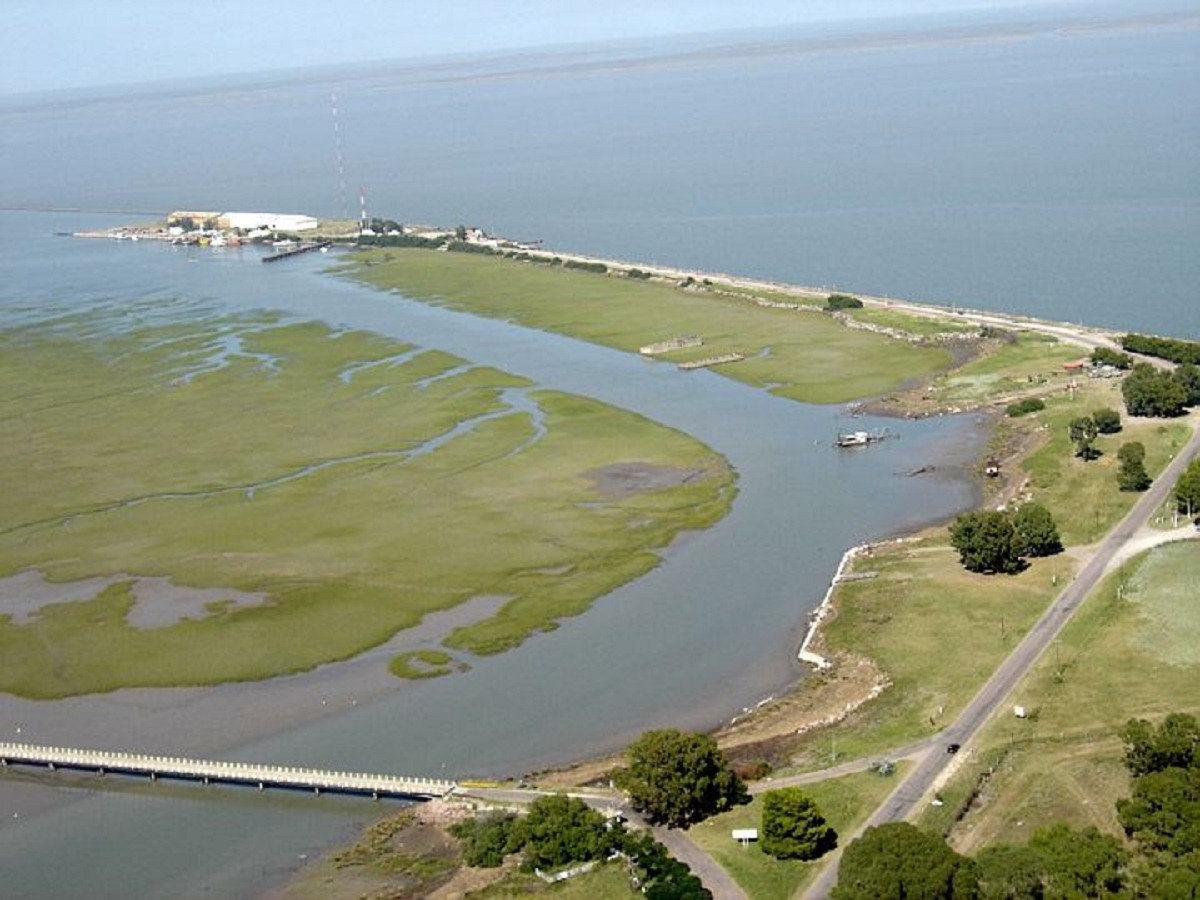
(270, 221)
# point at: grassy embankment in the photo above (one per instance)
(797, 354)
(845, 802)
(287, 473)
(1132, 651)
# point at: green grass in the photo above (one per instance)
(1129, 652)
(281, 475)
(799, 355)
(936, 630)
(421, 664)
(1083, 496)
(1032, 362)
(845, 802)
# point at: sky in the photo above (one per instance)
(48, 45)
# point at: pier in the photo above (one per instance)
(296, 251)
(216, 772)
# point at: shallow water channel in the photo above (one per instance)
(712, 630)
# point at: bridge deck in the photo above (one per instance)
(263, 776)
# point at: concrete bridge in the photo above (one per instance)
(207, 771)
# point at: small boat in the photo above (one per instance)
(862, 438)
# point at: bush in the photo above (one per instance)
(486, 841)
(1108, 421)
(1024, 407)
(1131, 476)
(842, 301)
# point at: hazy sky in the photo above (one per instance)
(52, 44)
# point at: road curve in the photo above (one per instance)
(902, 801)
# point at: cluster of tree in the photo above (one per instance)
(1024, 407)
(1170, 349)
(990, 541)
(457, 246)
(1154, 392)
(1162, 818)
(793, 827)
(1106, 356)
(637, 273)
(560, 831)
(678, 778)
(584, 266)
(842, 301)
(1085, 429)
(1187, 490)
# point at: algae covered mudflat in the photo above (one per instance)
(332, 486)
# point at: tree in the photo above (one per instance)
(1079, 863)
(1131, 476)
(1187, 490)
(559, 830)
(1150, 392)
(1164, 811)
(793, 827)
(898, 861)
(1174, 879)
(1083, 433)
(1010, 872)
(485, 841)
(1108, 421)
(679, 778)
(662, 877)
(1037, 535)
(986, 542)
(1106, 356)
(460, 233)
(1188, 377)
(1173, 744)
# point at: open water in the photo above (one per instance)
(1056, 175)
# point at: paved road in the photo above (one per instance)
(913, 788)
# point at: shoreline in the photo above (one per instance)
(181, 703)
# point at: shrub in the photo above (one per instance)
(1108, 421)
(1024, 407)
(842, 301)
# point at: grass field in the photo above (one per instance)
(1131, 652)
(356, 483)
(935, 630)
(845, 802)
(801, 355)
(1083, 496)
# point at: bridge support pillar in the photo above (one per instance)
(317, 791)
(51, 766)
(154, 776)
(261, 786)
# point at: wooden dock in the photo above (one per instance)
(210, 771)
(296, 251)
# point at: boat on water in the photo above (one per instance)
(863, 438)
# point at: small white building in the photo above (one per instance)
(251, 221)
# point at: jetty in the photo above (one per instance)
(307, 247)
(712, 361)
(317, 781)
